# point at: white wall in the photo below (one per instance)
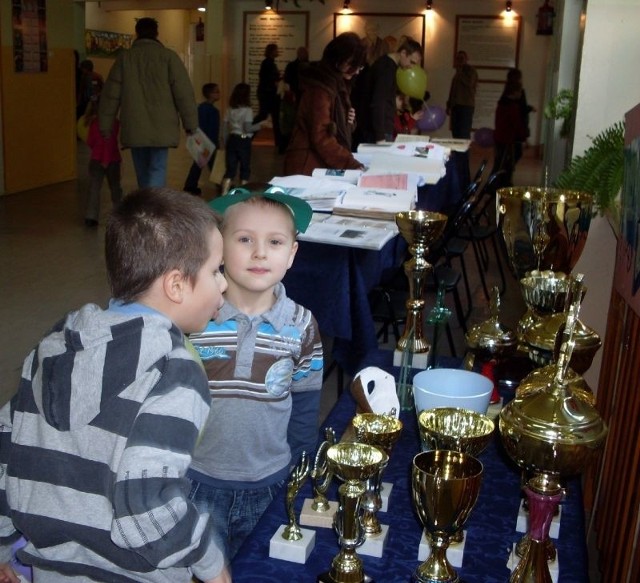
(609, 87)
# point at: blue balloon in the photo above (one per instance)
(433, 118)
(483, 137)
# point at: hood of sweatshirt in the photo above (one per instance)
(93, 355)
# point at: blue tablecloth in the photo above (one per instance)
(334, 283)
(450, 188)
(491, 528)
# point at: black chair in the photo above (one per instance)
(481, 228)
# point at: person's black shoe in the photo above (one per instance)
(91, 223)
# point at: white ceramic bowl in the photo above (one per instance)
(451, 387)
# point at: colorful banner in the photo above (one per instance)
(101, 43)
(29, 23)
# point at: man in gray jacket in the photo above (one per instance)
(151, 87)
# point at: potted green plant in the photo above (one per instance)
(599, 171)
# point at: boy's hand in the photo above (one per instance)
(8, 575)
(224, 577)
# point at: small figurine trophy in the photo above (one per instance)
(318, 511)
(290, 542)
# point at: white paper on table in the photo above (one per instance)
(321, 194)
(429, 170)
(349, 231)
(350, 176)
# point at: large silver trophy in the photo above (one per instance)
(545, 231)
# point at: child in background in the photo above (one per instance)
(237, 130)
(209, 123)
(263, 357)
(105, 160)
(404, 121)
(95, 445)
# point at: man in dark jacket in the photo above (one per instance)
(151, 88)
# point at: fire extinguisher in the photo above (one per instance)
(546, 13)
(200, 30)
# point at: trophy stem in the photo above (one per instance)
(372, 502)
(533, 565)
(437, 567)
(347, 566)
(416, 269)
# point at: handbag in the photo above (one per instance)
(219, 167)
(200, 147)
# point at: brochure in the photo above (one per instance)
(349, 231)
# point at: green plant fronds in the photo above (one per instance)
(600, 169)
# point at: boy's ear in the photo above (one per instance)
(173, 284)
(292, 254)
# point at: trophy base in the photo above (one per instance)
(455, 553)
(373, 545)
(419, 360)
(523, 521)
(327, 578)
(514, 559)
(311, 517)
(385, 493)
(295, 551)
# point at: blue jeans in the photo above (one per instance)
(150, 165)
(234, 513)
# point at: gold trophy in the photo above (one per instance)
(290, 542)
(352, 463)
(454, 429)
(419, 229)
(445, 487)
(545, 230)
(551, 433)
(382, 431)
(319, 511)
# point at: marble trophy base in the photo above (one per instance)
(327, 578)
(512, 563)
(295, 551)
(311, 517)
(455, 552)
(385, 493)
(418, 359)
(523, 521)
(373, 545)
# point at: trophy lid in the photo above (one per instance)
(553, 430)
(542, 378)
(491, 336)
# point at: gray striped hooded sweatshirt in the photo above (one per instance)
(94, 449)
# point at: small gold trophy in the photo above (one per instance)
(383, 431)
(352, 463)
(419, 229)
(318, 511)
(290, 542)
(445, 487)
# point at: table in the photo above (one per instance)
(450, 188)
(490, 528)
(334, 283)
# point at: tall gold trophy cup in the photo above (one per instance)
(382, 431)
(545, 231)
(445, 487)
(419, 229)
(353, 463)
(551, 432)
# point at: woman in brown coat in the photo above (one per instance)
(325, 120)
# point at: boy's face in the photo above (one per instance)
(259, 246)
(204, 299)
(214, 95)
(409, 60)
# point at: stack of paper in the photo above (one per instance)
(379, 196)
(321, 194)
(349, 231)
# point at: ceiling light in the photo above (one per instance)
(268, 4)
(428, 5)
(509, 5)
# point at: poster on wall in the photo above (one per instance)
(289, 30)
(487, 95)
(102, 43)
(381, 29)
(627, 271)
(29, 24)
(491, 42)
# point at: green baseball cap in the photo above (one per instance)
(299, 209)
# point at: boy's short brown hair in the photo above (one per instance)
(151, 232)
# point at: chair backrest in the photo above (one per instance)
(480, 170)
(487, 196)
